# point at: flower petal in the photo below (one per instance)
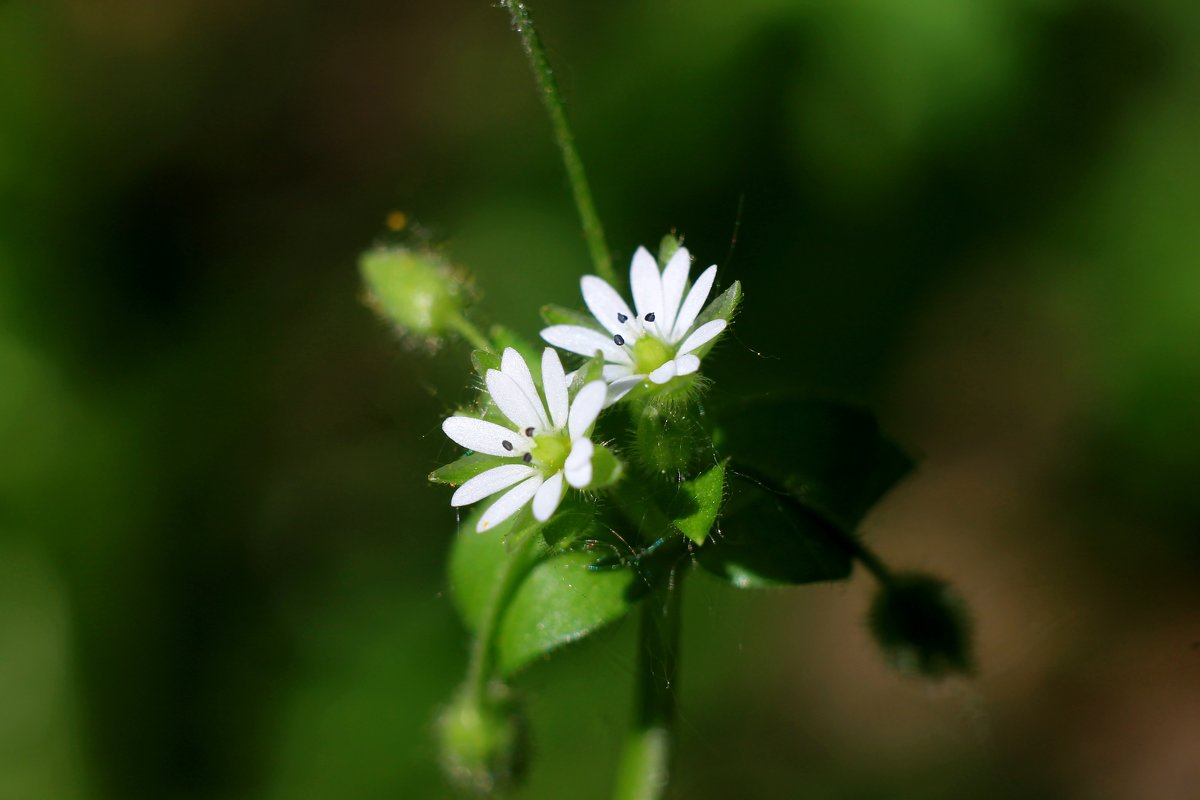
(578, 466)
(621, 387)
(511, 401)
(548, 496)
(605, 304)
(686, 364)
(674, 280)
(484, 437)
(701, 336)
(585, 408)
(513, 365)
(612, 372)
(585, 342)
(694, 303)
(554, 382)
(646, 283)
(486, 484)
(663, 373)
(509, 503)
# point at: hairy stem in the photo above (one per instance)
(479, 669)
(469, 332)
(552, 100)
(645, 769)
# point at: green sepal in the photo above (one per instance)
(606, 468)
(483, 360)
(767, 540)
(723, 307)
(667, 247)
(590, 370)
(559, 315)
(694, 510)
(465, 468)
(560, 601)
(505, 337)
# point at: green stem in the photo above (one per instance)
(552, 100)
(479, 668)
(470, 333)
(645, 769)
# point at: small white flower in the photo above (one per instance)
(550, 444)
(657, 342)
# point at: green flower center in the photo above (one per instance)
(550, 451)
(650, 353)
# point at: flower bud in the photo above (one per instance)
(415, 290)
(484, 744)
(923, 626)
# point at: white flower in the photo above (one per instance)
(550, 444)
(657, 343)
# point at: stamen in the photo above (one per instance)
(650, 317)
(529, 431)
(621, 318)
(619, 339)
(527, 458)
(506, 444)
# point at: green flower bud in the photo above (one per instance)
(669, 437)
(923, 626)
(484, 745)
(415, 290)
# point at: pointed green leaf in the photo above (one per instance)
(561, 600)
(830, 457)
(697, 503)
(465, 468)
(766, 540)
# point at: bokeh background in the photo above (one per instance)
(221, 568)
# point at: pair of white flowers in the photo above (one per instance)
(551, 447)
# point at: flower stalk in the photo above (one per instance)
(552, 99)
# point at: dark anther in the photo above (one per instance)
(650, 317)
(621, 318)
(619, 339)
(506, 444)
(528, 457)
(529, 431)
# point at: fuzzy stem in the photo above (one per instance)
(479, 668)
(552, 100)
(645, 769)
(470, 333)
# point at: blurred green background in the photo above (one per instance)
(220, 563)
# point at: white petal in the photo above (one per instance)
(509, 503)
(578, 466)
(674, 279)
(694, 303)
(486, 484)
(686, 365)
(555, 384)
(548, 496)
(585, 342)
(701, 336)
(621, 387)
(511, 401)
(585, 408)
(646, 283)
(605, 304)
(663, 373)
(612, 372)
(513, 365)
(483, 436)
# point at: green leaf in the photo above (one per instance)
(695, 508)
(561, 600)
(476, 561)
(768, 540)
(558, 315)
(830, 457)
(574, 521)
(465, 468)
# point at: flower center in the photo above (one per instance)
(650, 353)
(550, 451)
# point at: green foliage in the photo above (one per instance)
(483, 360)
(415, 290)
(478, 569)
(723, 307)
(559, 315)
(607, 469)
(560, 600)
(831, 458)
(694, 510)
(484, 741)
(767, 540)
(923, 626)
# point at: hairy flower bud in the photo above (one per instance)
(922, 624)
(415, 290)
(484, 744)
